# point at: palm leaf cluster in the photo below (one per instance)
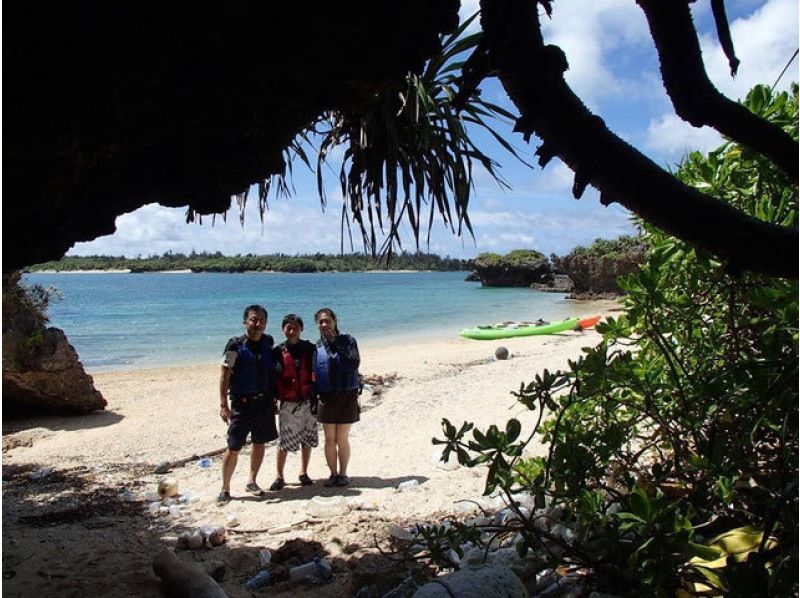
(407, 154)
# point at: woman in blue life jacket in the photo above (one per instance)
(338, 385)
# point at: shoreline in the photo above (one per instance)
(430, 339)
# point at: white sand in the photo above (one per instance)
(172, 413)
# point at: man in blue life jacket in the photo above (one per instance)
(248, 376)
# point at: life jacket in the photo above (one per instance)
(332, 374)
(293, 385)
(244, 375)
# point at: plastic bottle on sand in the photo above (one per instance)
(327, 506)
(407, 485)
(261, 579)
(316, 571)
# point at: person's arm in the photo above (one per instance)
(348, 351)
(228, 359)
(224, 384)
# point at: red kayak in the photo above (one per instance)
(585, 323)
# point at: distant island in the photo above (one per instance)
(585, 273)
(217, 262)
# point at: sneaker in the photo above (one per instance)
(254, 488)
(342, 480)
(331, 481)
(278, 484)
(224, 497)
(305, 480)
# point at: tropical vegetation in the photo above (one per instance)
(672, 446)
(217, 262)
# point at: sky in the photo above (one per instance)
(613, 67)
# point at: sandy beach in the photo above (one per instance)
(77, 531)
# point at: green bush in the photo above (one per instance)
(682, 423)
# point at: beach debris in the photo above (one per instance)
(125, 495)
(315, 571)
(261, 579)
(174, 511)
(452, 460)
(151, 496)
(188, 580)
(264, 556)
(162, 467)
(213, 535)
(501, 353)
(484, 580)
(168, 487)
(154, 507)
(195, 540)
(208, 535)
(204, 463)
(231, 521)
(40, 474)
(408, 485)
(356, 503)
(323, 507)
(398, 533)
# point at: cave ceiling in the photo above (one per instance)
(109, 106)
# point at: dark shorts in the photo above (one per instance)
(339, 408)
(251, 416)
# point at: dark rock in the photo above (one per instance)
(473, 277)
(518, 268)
(501, 353)
(595, 270)
(55, 381)
(41, 370)
(560, 283)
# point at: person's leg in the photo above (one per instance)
(330, 447)
(281, 462)
(305, 457)
(343, 446)
(228, 467)
(256, 458)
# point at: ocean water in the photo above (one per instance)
(131, 321)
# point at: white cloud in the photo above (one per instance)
(671, 138)
(590, 33)
(467, 9)
(764, 41)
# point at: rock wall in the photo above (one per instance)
(518, 268)
(41, 370)
(595, 276)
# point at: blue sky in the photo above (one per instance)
(613, 68)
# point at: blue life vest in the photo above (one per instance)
(245, 372)
(332, 374)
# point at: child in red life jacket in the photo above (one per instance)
(295, 392)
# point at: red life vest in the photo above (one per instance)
(294, 386)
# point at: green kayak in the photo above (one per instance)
(487, 333)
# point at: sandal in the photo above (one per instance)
(224, 497)
(305, 480)
(278, 484)
(254, 488)
(331, 481)
(342, 480)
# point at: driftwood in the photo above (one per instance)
(165, 466)
(188, 580)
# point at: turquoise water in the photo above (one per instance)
(128, 321)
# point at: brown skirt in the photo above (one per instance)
(339, 408)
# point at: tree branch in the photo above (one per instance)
(695, 98)
(532, 75)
